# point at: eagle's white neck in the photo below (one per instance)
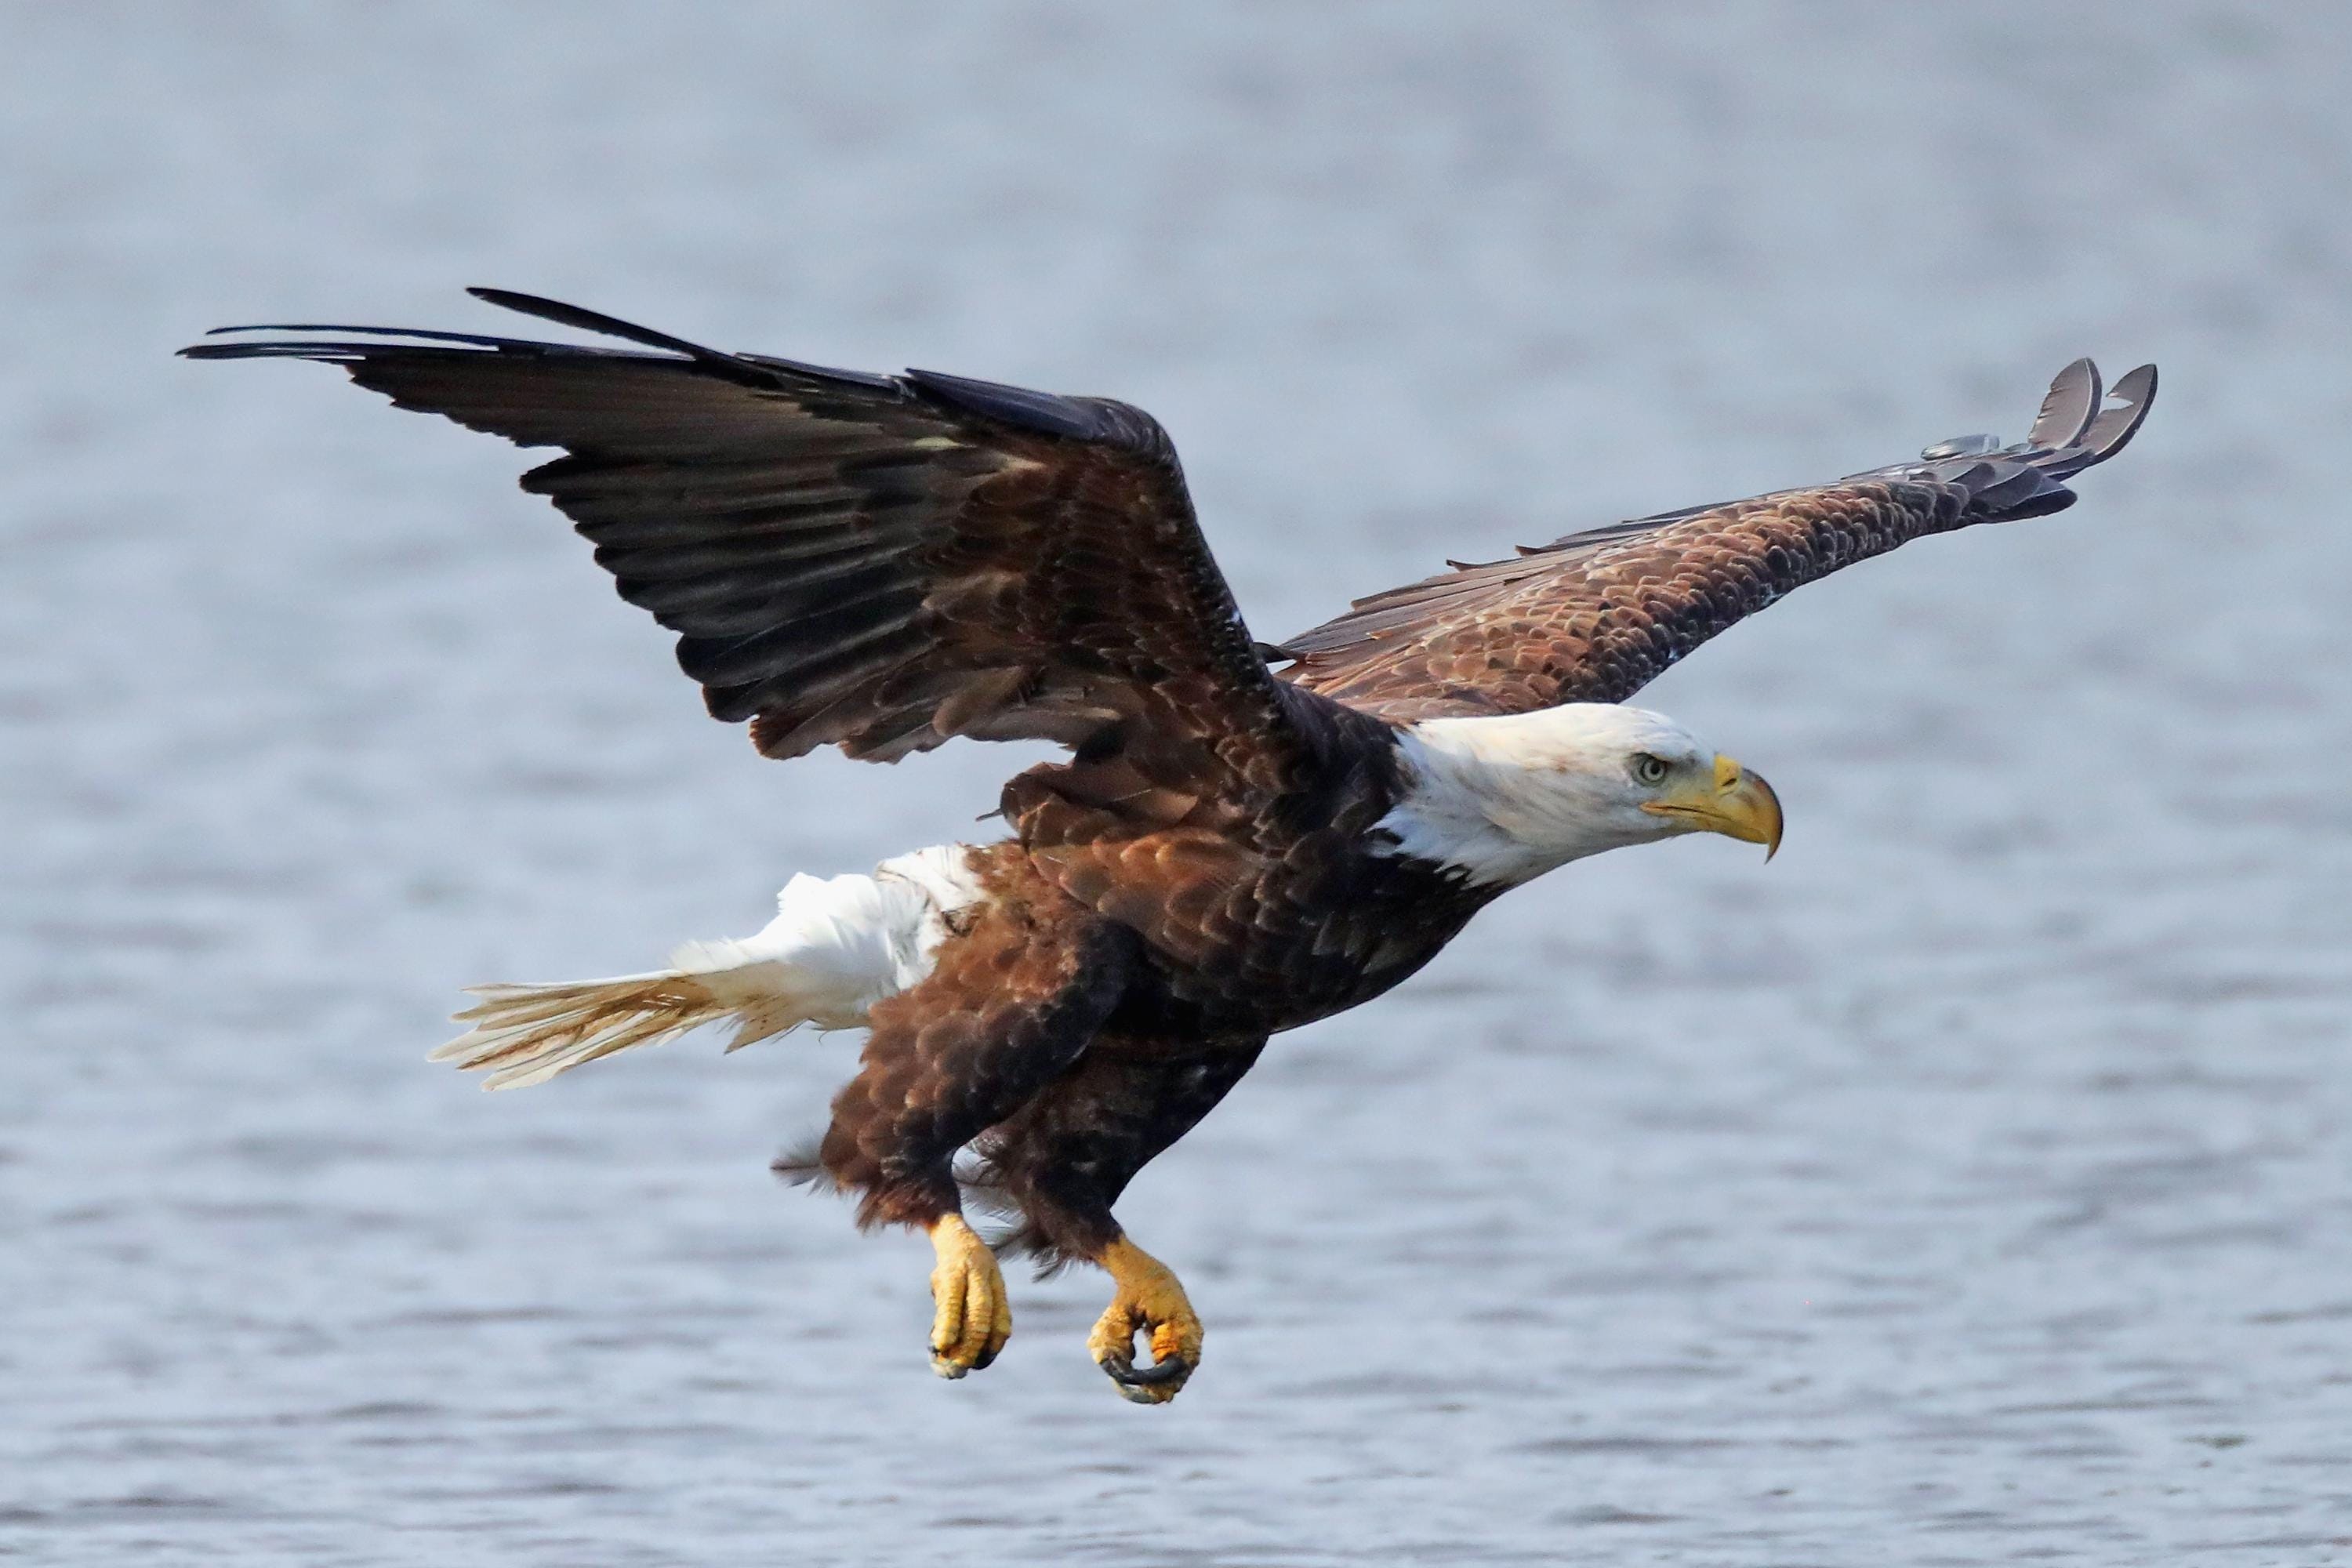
(1505, 799)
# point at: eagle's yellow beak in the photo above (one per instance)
(1735, 802)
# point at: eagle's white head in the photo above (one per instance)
(1506, 799)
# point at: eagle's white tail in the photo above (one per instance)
(836, 946)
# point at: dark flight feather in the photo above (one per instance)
(874, 562)
(1597, 616)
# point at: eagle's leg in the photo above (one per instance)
(1069, 1153)
(1148, 1299)
(1009, 1003)
(971, 1315)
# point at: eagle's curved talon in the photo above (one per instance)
(1127, 1375)
(1149, 1301)
(1154, 1385)
(971, 1316)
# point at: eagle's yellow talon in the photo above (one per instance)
(1147, 1298)
(971, 1316)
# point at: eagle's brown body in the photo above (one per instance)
(885, 562)
(1133, 970)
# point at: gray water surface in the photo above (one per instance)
(1972, 1185)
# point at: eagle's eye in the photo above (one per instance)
(1650, 769)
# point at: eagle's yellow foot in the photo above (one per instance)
(1147, 1298)
(971, 1316)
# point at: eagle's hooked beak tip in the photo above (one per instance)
(1748, 802)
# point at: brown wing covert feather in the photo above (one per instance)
(876, 563)
(1595, 617)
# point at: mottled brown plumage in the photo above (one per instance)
(885, 562)
(1009, 1007)
(1597, 616)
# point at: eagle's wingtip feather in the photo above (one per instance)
(2068, 407)
(587, 320)
(2112, 431)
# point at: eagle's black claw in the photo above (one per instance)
(1127, 1375)
(1150, 1384)
(1153, 1385)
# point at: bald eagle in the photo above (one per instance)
(1246, 836)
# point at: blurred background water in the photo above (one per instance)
(1970, 1187)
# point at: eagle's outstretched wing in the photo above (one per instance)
(1597, 616)
(874, 562)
